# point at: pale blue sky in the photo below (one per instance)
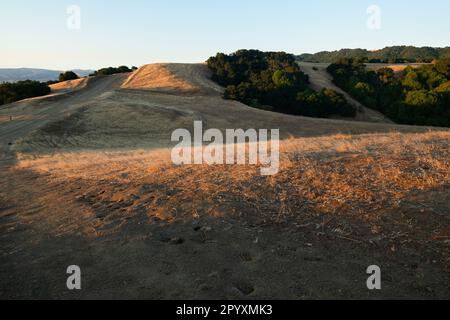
(135, 32)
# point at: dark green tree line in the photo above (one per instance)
(419, 97)
(274, 81)
(111, 70)
(11, 92)
(395, 54)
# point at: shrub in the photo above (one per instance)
(110, 71)
(68, 75)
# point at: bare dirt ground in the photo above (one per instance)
(86, 180)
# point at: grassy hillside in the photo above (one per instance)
(89, 178)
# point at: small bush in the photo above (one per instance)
(111, 70)
(68, 75)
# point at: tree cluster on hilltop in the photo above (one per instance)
(273, 80)
(396, 54)
(421, 96)
(111, 70)
(68, 75)
(11, 92)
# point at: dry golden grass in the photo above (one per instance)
(93, 178)
(360, 176)
(372, 174)
(397, 68)
(69, 85)
(336, 168)
(173, 78)
(157, 77)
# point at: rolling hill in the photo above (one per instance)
(86, 178)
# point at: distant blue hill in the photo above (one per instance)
(13, 75)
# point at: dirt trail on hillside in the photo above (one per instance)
(31, 114)
(86, 179)
(141, 110)
(321, 79)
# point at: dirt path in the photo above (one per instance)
(32, 114)
(321, 79)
